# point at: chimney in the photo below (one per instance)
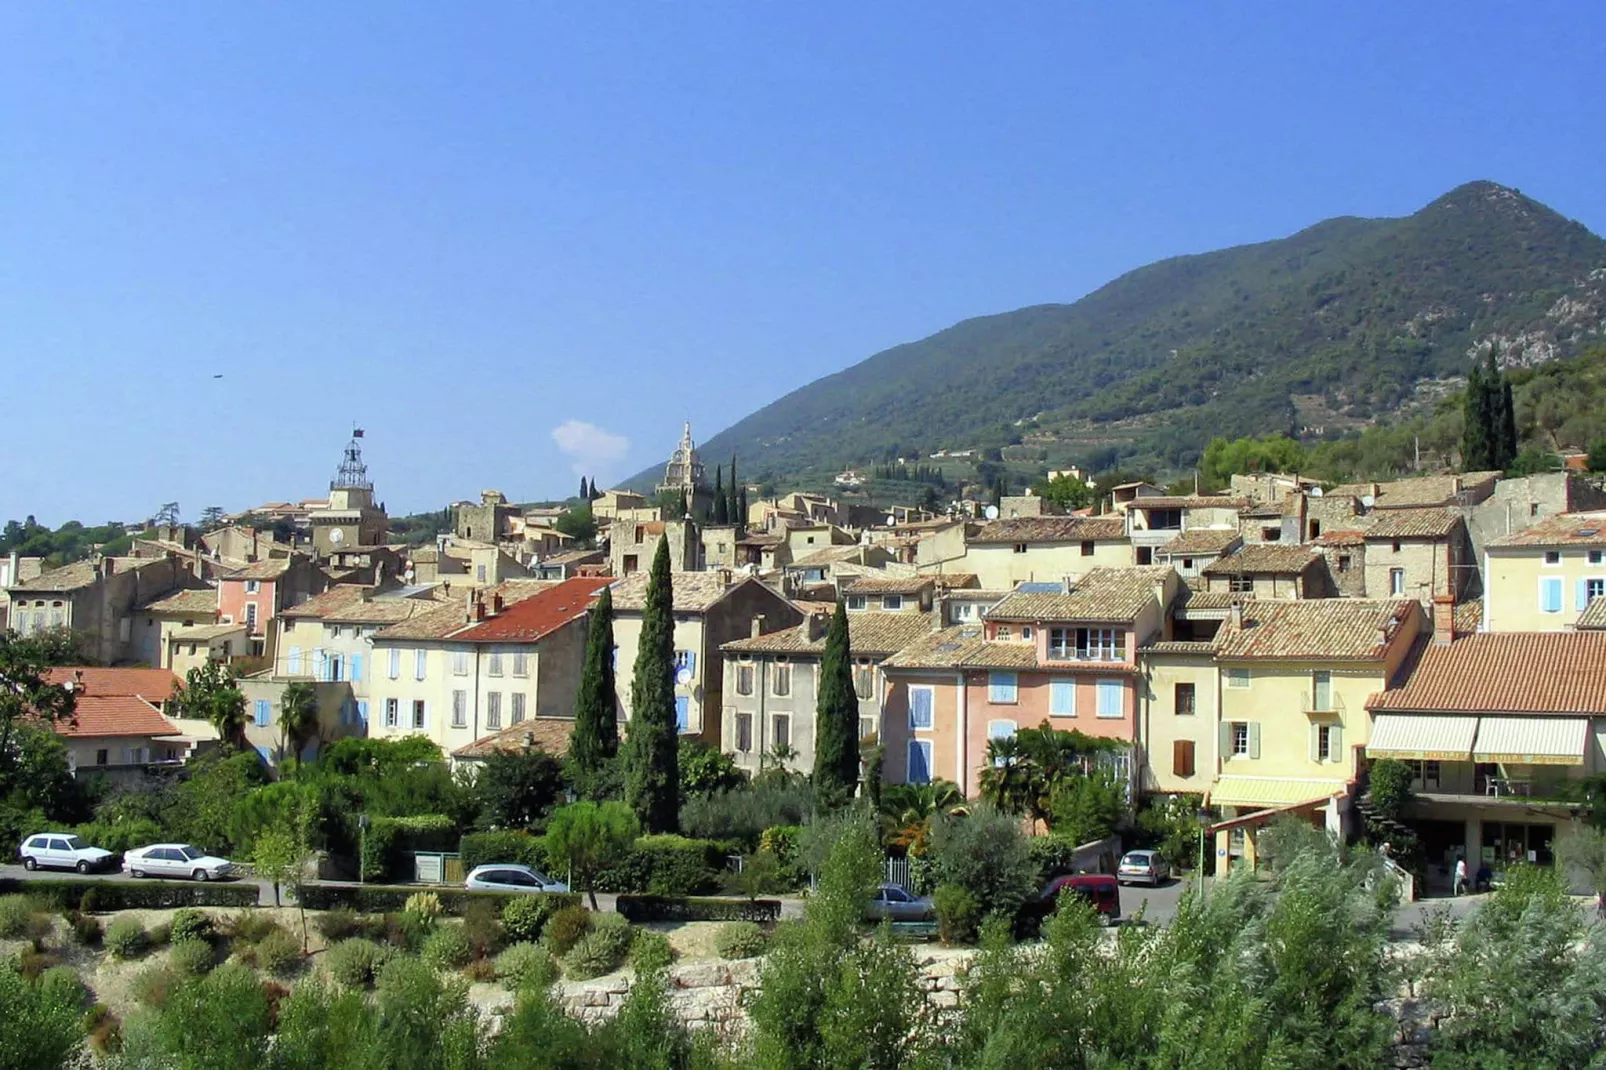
(1238, 614)
(758, 625)
(479, 610)
(817, 626)
(1443, 619)
(496, 603)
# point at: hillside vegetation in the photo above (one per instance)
(1315, 335)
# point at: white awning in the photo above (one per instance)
(1532, 740)
(1273, 791)
(1422, 737)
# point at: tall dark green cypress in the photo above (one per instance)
(721, 504)
(1508, 425)
(585, 494)
(1502, 414)
(836, 719)
(1476, 447)
(595, 740)
(652, 747)
(738, 512)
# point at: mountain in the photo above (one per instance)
(1317, 334)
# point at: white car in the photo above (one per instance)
(511, 877)
(61, 850)
(175, 860)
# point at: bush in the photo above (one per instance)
(18, 915)
(1052, 855)
(385, 899)
(278, 953)
(485, 848)
(338, 924)
(600, 951)
(32, 962)
(356, 962)
(389, 840)
(189, 924)
(152, 985)
(565, 928)
(480, 970)
(958, 914)
(650, 951)
(986, 854)
(524, 965)
(126, 938)
(61, 984)
(103, 1029)
(739, 940)
(160, 935)
(523, 917)
(86, 930)
(448, 948)
(665, 865)
(424, 904)
(111, 896)
(192, 957)
(744, 813)
(249, 926)
(644, 908)
(482, 929)
(119, 837)
(406, 930)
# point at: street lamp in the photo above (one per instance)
(1204, 819)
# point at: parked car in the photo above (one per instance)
(1146, 867)
(511, 877)
(1100, 890)
(891, 901)
(176, 860)
(61, 850)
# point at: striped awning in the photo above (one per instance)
(1531, 740)
(1422, 737)
(1273, 791)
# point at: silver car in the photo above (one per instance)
(1142, 867)
(511, 877)
(892, 902)
(61, 850)
(176, 860)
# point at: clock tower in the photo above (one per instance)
(351, 519)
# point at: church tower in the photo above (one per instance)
(684, 474)
(351, 518)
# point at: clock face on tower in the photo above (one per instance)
(337, 536)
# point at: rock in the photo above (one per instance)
(701, 975)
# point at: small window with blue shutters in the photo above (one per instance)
(1112, 698)
(1550, 594)
(356, 668)
(919, 761)
(1062, 698)
(293, 664)
(263, 712)
(362, 713)
(920, 703)
(1001, 687)
(682, 713)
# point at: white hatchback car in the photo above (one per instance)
(511, 877)
(61, 850)
(175, 860)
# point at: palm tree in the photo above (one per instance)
(211, 694)
(907, 809)
(298, 718)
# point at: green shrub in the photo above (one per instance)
(424, 904)
(644, 908)
(665, 865)
(108, 896)
(103, 1029)
(384, 899)
(486, 848)
(189, 924)
(406, 931)
(480, 970)
(160, 935)
(338, 924)
(86, 930)
(249, 925)
(17, 914)
(600, 951)
(565, 928)
(126, 938)
(61, 984)
(152, 985)
(192, 957)
(740, 940)
(32, 962)
(958, 914)
(278, 953)
(482, 929)
(119, 837)
(448, 948)
(356, 962)
(389, 840)
(523, 917)
(650, 951)
(987, 855)
(525, 965)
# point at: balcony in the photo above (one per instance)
(1322, 705)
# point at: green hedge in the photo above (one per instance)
(389, 840)
(666, 865)
(66, 894)
(391, 898)
(641, 908)
(484, 848)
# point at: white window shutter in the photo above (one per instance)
(1225, 732)
(1254, 739)
(1335, 742)
(1316, 743)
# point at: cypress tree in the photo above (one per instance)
(1503, 415)
(721, 505)
(652, 749)
(737, 508)
(595, 740)
(836, 719)
(585, 495)
(1508, 425)
(1476, 447)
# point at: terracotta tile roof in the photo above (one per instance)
(200, 602)
(532, 619)
(550, 734)
(1592, 618)
(956, 581)
(1567, 529)
(154, 684)
(694, 592)
(1325, 629)
(1413, 524)
(1104, 594)
(1341, 538)
(205, 633)
(889, 585)
(1262, 557)
(829, 555)
(1190, 501)
(97, 716)
(1504, 672)
(271, 569)
(355, 603)
(1051, 529)
(444, 619)
(1418, 491)
(1469, 615)
(1200, 541)
(1206, 601)
(71, 577)
(1194, 647)
(869, 634)
(569, 557)
(962, 647)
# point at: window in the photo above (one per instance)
(102, 757)
(362, 713)
(1396, 581)
(521, 663)
(1061, 644)
(495, 666)
(517, 714)
(682, 713)
(1062, 698)
(685, 660)
(1241, 584)
(1182, 758)
(919, 762)
(857, 602)
(1427, 775)
(1003, 633)
(1100, 644)
(1187, 564)
(1343, 562)
(1594, 557)
(1000, 730)
(1237, 679)
(1020, 547)
(864, 680)
(493, 709)
(781, 679)
(293, 662)
(1552, 557)
(263, 712)
(744, 679)
(1185, 701)
(420, 662)
(867, 728)
(1165, 519)
(1593, 589)
(744, 733)
(1026, 631)
(251, 616)
(391, 712)
(1533, 508)
(781, 730)
(356, 668)
(395, 663)
(1550, 595)
(479, 573)
(1002, 687)
(459, 663)
(253, 586)
(1145, 555)
(921, 701)
(1240, 739)
(1087, 548)
(1396, 545)
(892, 602)
(418, 713)
(1315, 529)
(1112, 698)
(459, 709)
(1327, 743)
(1321, 691)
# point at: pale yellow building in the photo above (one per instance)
(1045, 549)
(1542, 578)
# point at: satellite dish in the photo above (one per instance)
(337, 536)
(1368, 501)
(992, 512)
(683, 677)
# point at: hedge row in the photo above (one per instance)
(657, 865)
(67, 894)
(640, 908)
(390, 898)
(485, 848)
(389, 840)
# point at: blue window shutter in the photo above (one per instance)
(682, 713)
(1581, 596)
(919, 766)
(262, 713)
(266, 754)
(691, 659)
(1062, 698)
(1551, 596)
(294, 665)
(356, 668)
(362, 713)
(1111, 695)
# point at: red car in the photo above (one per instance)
(1101, 890)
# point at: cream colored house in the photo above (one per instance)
(1177, 717)
(1049, 549)
(191, 648)
(1542, 578)
(157, 620)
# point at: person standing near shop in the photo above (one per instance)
(1461, 875)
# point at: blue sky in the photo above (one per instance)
(470, 227)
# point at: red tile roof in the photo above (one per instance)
(115, 715)
(550, 734)
(530, 620)
(1505, 672)
(153, 684)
